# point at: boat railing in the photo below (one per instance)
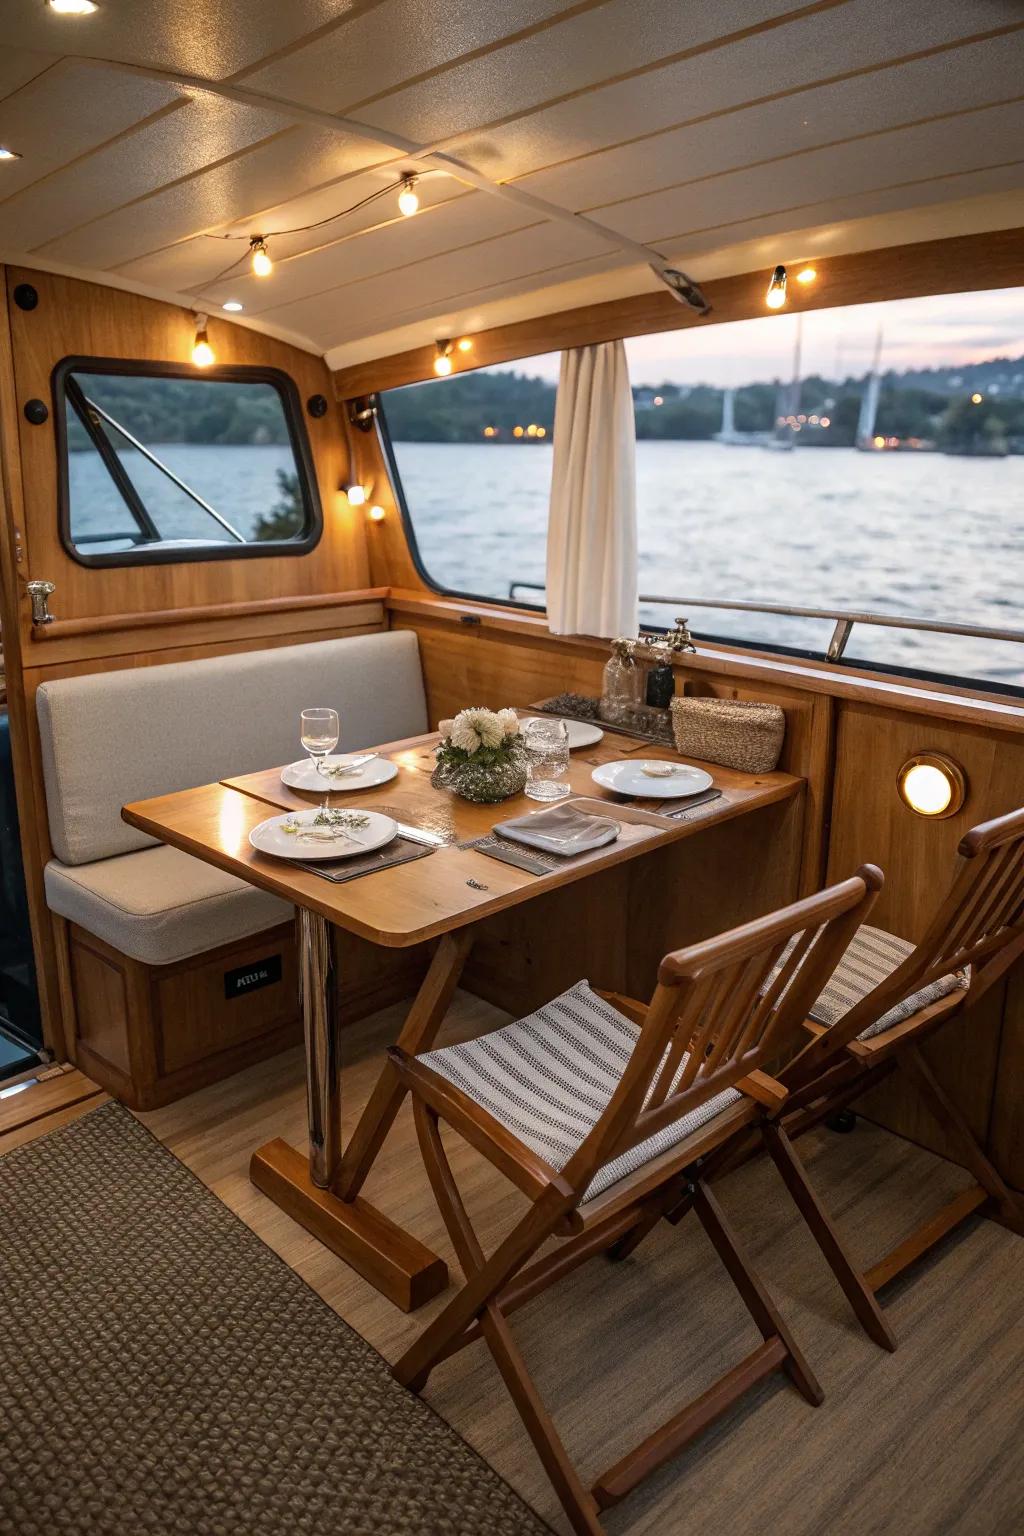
(843, 619)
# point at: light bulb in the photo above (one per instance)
(408, 198)
(202, 353)
(262, 266)
(233, 306)
(443, 367)
(465, 345)
(806, 275)
(776, 295)
(377, 514)
(356, 495)
(72, 7)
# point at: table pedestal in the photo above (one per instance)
(321, 1193)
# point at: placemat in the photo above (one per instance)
(534, 862)
(399, 851)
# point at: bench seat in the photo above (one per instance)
(160, 905)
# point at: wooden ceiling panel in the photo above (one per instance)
(829, 217)
(392, 43)
(20, 65)
(215, 38)
(971, 142)
(860, 35)
(397, 246)
(292, 160)
(580, 53)
(38, 121)
(943, 83)
(434, 285)
(181, 142)
(195, 260)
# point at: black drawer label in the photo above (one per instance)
(249, 978)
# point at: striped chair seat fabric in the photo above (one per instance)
(872, 957)
(548, 1078)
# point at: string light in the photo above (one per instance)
(408, 197)
(377, 514)
(203, 354)
(776, 295)
(465, 345)
(259, 257)
(443, 360)
(356, 495)
(806, 275)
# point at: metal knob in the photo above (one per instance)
(39, 592)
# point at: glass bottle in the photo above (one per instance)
(622, 685)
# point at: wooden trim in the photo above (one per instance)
(937, 700)
(961, 264)
(97, 624)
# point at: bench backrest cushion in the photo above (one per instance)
(112, 737)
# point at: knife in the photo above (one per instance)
(421, 835)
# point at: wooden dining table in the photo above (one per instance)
(445, 897)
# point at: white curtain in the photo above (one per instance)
(592, 568)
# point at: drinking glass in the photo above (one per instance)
(547, 747)
(320, 729)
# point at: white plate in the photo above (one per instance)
(303, 775)
(581, 732)
(629, 779)
(269, 837)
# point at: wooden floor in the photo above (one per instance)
(922, 1442)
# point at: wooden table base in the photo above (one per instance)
(401, 1267)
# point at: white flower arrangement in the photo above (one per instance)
(475, 728)
(481, 754)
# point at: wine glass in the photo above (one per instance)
(320, 729)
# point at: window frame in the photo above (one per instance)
(238, 373)
(408, 527)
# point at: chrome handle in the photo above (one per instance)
(39, 592)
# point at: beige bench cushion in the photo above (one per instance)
(160, 905)
(112, 737)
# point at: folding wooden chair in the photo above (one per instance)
(885, 999)
(602, 1116)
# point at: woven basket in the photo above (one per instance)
(738, 733)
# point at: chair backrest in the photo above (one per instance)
(723, 1009)
(979, 924)
(112, 737)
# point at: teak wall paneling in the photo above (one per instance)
(870, 822)
(83, 319)
(990, 260)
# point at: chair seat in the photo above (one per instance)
(872, 957)
(160, 905)
(548, 1077)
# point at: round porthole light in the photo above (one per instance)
(932, 785)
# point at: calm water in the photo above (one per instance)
(922, 534)
(240, 482)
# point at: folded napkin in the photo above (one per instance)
(560, 829)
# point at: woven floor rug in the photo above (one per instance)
(163, 1373)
